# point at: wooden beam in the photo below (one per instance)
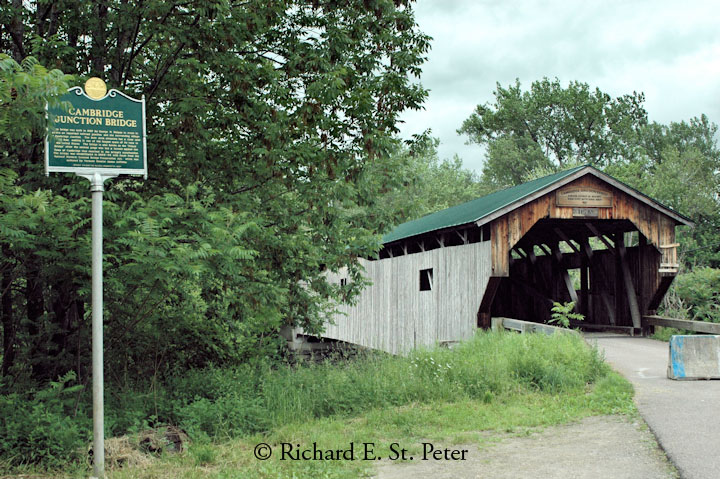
(587, 249)
(565, 276)
(530, 327)
(600, 236)
(600, 272)
(565, 238)
(484, 312)
(697, 326)
(627, 280)
(531, 255)
(610, 309)
(665, 282)
(532, 290)
(570, 287)
(555, 248)
(584, 296)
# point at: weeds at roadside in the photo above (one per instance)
(496, 381)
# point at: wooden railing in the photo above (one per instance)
(528, 326)
(647, 322)
(697, 326)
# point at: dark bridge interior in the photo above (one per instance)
(607, 267)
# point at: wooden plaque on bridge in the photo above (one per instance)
(583, 197)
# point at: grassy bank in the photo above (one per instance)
(495, 382)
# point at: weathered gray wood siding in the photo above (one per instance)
(393, 315)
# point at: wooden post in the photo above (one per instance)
(665, 282)
(584, 287)
(484, 312)
(600, 236)
(565, 276)
(627, 280)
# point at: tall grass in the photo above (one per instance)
(230, 402)
(221, 402)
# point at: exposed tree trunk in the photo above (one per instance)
(124, 35)
(17, 31)
(98, 53)
(35, 305)
(68, 312)
(8, 321)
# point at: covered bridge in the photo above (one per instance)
(578, 235)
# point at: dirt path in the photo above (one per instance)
(596, 447)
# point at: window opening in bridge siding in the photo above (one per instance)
(485, 233)
(426, 279)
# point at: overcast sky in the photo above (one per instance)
(669, 50)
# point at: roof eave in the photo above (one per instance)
(570, 178)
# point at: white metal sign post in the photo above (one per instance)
(97, 188)
(101, 136)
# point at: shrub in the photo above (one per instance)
(562, 314)
(700, 291)
(227, 416)
(213, 403)
(41, 429)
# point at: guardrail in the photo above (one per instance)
(528, 326)
(697, 326)
(647, 323)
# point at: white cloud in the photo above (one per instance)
(668, 50)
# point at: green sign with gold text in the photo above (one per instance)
(103, 134)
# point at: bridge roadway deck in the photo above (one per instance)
(683, 415)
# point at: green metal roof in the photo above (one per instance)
(474, 210)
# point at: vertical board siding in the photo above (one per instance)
(393, 315)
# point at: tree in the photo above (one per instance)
(533, 133)
(551, 126)
(264, 121)
(680, 167)
(428, 183)
(25, 87)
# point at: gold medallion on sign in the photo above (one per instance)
(95, 88)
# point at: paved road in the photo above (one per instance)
(684, 415)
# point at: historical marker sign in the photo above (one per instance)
(582, 196)
(97, 133)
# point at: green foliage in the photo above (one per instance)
(219, 402)
(425, 183)
(227, 416)
(231, 402)
(613, 395)
(700, 291)
(562, 313)
(677, 164)
(551, 126)
(25, 87)
(43, 428)
(662, 333)
(269, 131)
(203, 454)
